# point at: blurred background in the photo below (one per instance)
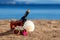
(39, 9)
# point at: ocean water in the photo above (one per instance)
(50, 12)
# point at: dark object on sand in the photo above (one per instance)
(16, 31)
(20, 22)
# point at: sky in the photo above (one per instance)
(38, 1)
(42, 1)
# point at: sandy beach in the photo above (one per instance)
(44, 30)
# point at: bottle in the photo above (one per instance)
(19, 22)
(24, 18)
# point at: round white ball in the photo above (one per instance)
(29, 26)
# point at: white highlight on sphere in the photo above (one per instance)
(29, 26)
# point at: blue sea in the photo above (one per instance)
(40, 11)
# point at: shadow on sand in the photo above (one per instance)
(6, 33)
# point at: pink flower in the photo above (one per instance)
(24, 32)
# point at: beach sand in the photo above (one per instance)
(44, 30)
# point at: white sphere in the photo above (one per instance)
(29, 26)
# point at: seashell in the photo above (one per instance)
(29, 26)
